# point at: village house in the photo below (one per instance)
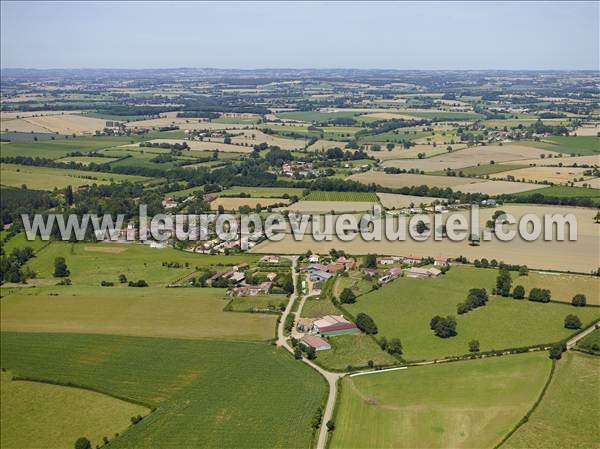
(348, 263)
(270, 259)
(314, 258)
(385, 261)
(271, 276)
(441, 261)
(240, 267)
(169, 202)
(335, 268)
(412, 260)
(253, 290)
(315, 342)
(319, 276)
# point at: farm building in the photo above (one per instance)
(253, 290)
(318, 276)
(422, 272)
(385, 261)
(314, 267)
(348, 263)
(270, 259)
(332, 325)
(317, 343)
(390, 275)
(335, 267)
(412, 260)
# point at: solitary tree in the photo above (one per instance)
(83, 443)
(579, 300)
(556, 351)
(347, 296)
(395, 346)
(474, 346)
(572, 322)
(60, 268)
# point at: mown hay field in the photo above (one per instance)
(555, 175)
(568, 414)
(209, 393)
(44, 178)
(35, 415)
(234, 204)
(460, 405)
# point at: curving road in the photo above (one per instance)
(330, 377)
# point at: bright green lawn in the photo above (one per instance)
(469, 404)
(35, 415)
(404, 308)
(208, 393)
(569, 413)
(353, 350)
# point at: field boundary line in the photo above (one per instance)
(375, 371)
(535, 405)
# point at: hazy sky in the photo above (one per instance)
(444, 35)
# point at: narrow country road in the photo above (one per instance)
(330, 377)
(573, 341)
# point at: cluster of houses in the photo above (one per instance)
(299, 168)
(325, 327)
(320, 273)
(237, 275)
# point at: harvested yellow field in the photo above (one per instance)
(10, 115)
(322, 145)
(496, 187)
(588, 130)
(593, 183)
(254, 137)
(397, 201)
(399, 152)
(470, 157)
(565, 161)
(21, 126)
(556, 175)
(577, 256)
(68, 124)
(230, 204)
(408, 179)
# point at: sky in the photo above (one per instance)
(390, 35)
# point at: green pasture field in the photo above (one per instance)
(235, 120)
(91, 263)
(564, 192)
(209, 393)
(250, 303)
(315, 307)
(262, 192)
(342, 196)
(404, 308)
(444, 115)
(353, 350)
(392, 137)
(580, 145)
(20, 241)
(27, 137)
(568, 414)
(285, 128)
(590, 342)
(55, 149)
(563, 286)
(340, 129)
(355, 282)
(151, 311)
(469, 404)
(315, 116)
(45, 178)
(34, 415)
(114, 117)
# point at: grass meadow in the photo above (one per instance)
(317, 195)
(33, 415)
(581, 145)
(469, 404)
(568, 414)
(206, 393)
(404, 308)
(44, 178)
